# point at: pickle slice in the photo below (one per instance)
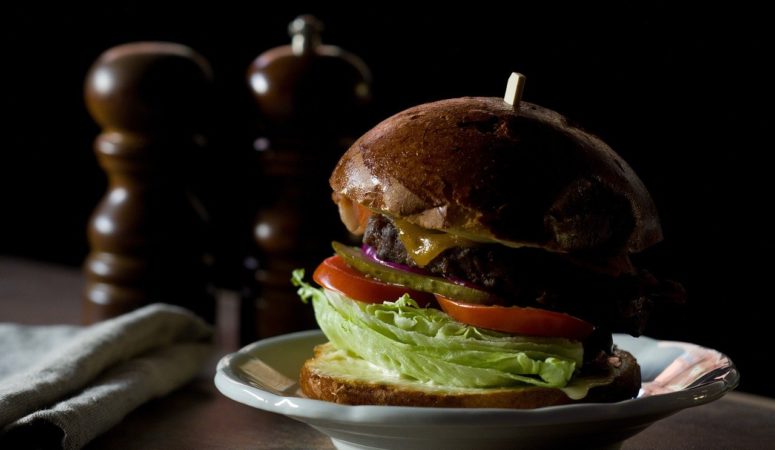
(424, 283)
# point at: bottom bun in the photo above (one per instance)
(334, 376)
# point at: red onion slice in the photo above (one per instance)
(371, 253)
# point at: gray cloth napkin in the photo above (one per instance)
(62, 386)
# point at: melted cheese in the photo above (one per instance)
(422, 245)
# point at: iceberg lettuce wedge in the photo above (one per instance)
(427, 345)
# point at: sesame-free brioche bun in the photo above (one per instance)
(478, 168)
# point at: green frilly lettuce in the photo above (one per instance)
(427, 345)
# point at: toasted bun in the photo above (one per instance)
(333, 376)
(475, 167)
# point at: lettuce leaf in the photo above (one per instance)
(427, 345)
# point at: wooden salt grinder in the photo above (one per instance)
(146, 235)
(312, 99)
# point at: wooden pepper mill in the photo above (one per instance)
(312, 99)
(146, 235)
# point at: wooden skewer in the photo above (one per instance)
(514, 89)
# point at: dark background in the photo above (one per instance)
(683, 95)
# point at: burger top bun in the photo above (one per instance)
(478, 168)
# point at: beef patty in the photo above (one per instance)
(533, 277)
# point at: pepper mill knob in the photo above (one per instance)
(146, 235)
(305, 34)
(308, 86)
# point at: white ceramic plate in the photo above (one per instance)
(676, 375)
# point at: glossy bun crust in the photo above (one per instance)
(475, 167)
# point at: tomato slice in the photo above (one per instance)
(363, 216)
(333, 273)
(517, 320)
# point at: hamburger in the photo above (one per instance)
(494, 266)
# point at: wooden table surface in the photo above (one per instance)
(198, 416)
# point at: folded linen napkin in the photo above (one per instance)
(61, 386)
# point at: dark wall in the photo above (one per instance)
(684, 96)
